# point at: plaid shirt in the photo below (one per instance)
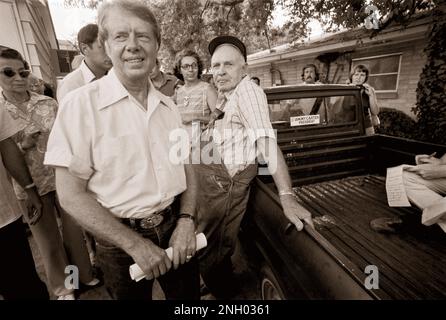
(246, 119)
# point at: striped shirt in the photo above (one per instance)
(193, 104)
(246, 119)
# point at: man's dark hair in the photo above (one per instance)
(310, 65)
(256, 79)
(87, 35)
(360, 68)
(180, 56)
(49, 92)
(9, 53)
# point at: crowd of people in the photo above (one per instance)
(98, 161)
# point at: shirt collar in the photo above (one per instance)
(87, 74)
(111, 91)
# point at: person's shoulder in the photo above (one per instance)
(166, 100)
(170, 77)
(70, 82)
(41, 97)
(247, 86)
(82, 97)
(74, 76)
(42, 101)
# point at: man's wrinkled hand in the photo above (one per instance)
(295, 212)
(183, 242)
(152, 260)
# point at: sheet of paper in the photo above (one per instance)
(396, 193)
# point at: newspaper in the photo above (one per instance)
(396, 192)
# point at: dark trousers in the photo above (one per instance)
(18, 276)
(183, 283)
(222, 205)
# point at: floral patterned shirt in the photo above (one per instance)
(39, 116)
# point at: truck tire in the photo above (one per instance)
(269, 286)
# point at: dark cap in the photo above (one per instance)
(227, 40)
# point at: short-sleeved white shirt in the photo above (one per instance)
(10, 210)
(103, 135)
(76, 79)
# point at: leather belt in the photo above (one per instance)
(152, 221)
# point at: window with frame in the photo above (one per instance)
(384, 71)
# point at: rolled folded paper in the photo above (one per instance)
(137, 274)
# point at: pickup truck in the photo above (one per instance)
(338, 174)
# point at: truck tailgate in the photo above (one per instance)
(411, 261)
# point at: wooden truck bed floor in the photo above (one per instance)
(411, 261)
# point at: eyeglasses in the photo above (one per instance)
(189, 66)
(11, 73)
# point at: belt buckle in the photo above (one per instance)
(151, 222)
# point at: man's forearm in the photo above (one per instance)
(90, 214)
(281, 176)
(14, 162)
(189, 197)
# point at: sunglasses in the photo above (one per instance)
(11, 73)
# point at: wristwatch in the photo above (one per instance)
(186, 216)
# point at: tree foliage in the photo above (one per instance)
(334, 14)
(431, 91)
(193, 23)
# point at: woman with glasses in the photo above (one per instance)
(196, 99)
(35, 115)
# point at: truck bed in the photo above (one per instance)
(411, 261)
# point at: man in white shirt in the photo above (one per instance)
(110, 146)
(95, 65)
(18, 276)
